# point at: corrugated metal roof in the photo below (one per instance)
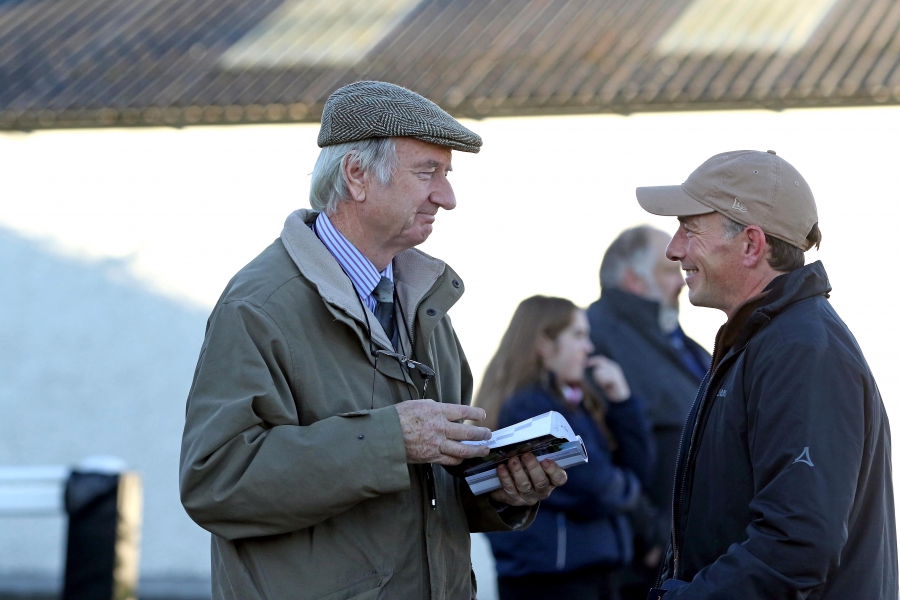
(331, 33)
(726, 26)
(150, 62)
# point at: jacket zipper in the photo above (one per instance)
(429, 469)
(677, 494)
(676, 501)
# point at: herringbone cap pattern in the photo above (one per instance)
(374, 109)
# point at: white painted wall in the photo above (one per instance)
(93, 363)
(116, 243)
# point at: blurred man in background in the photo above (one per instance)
(635, 323)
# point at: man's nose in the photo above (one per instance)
(675, 249)
(443, 195)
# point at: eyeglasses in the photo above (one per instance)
(425, 372)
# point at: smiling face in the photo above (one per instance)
(401, 214)
(711, 263)
(566, 356)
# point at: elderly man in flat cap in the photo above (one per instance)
(331, 383)
(783, 481)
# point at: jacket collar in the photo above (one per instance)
(415, 273)
(783, 291)
(642, 313)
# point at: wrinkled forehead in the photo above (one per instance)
(706, 219)
(417, 152)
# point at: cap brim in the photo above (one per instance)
(669, 201)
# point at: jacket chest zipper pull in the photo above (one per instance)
(429, 482)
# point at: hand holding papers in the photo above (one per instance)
(547, 436)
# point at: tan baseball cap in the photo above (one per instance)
(747, 186)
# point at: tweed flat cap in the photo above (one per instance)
(372, 109)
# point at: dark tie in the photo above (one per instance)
(384, 307)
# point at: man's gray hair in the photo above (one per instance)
(783, 256)
(632, 249)
(328, 187)
(732, 228)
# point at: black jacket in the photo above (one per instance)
(625, 327)
(783, 485)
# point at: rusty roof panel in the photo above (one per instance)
(150, 62)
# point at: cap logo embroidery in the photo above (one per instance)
(738, 205)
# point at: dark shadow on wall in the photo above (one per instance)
(93, 361)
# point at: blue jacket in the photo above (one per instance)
(783, 484)
(583, 522)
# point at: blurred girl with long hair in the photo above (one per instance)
(581, 533)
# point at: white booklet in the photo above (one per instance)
(546, 436)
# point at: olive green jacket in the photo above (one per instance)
(292, 455)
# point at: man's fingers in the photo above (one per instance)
(448, 461)
(535, 472)
(506, 481)
(520, 476)
(460, 412)
(556, 473)
(461, 431)
(462, 451)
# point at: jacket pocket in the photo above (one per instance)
(355, 413)
(367, 589)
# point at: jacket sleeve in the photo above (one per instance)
(806, 430)
(595, 489)
(247, 467)
(636, 448)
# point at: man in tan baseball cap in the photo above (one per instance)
(783, 482)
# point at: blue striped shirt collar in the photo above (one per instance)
(360, 269)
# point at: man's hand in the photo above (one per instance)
(431, 434)
(525, 481)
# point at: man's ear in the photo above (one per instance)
(355, 177)
(633, 283)
(755, 248)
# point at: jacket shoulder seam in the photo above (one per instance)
(247, 299)
(287, 341)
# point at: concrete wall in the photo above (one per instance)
(92, 362)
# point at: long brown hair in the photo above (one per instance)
(517, 363)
